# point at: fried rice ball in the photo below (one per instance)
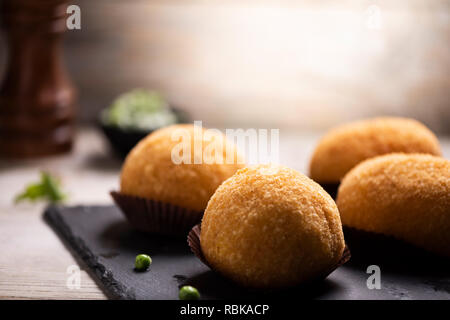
(271, 227)
(406, 196)
(344, 147)
(150, 172)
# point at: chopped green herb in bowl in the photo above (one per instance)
(139, 109)
(135, 114)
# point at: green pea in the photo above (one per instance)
(189, 293)
(142, 262)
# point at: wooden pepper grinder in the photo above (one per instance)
(36, 96)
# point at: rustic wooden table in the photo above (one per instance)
(33, 262)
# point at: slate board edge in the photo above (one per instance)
(76, 246)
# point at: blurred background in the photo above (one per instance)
(297, 64)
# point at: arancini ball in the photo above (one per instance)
(150, 172)
(406, 196)
(270, 227)
(344, 147)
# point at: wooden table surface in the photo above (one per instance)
(33, 261)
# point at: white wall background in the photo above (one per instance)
(299, 64)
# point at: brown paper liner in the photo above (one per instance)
(193, 240)
(155, 216)
(374, 246)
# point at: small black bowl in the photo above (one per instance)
(123, 140)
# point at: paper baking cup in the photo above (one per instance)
(155, 216)
(193, 240)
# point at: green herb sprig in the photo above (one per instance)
(47, 189)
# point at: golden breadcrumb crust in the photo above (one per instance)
(149, 171)
(402, 195)
(271, 226)
(344, 147)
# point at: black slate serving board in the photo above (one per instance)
(101, 238)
